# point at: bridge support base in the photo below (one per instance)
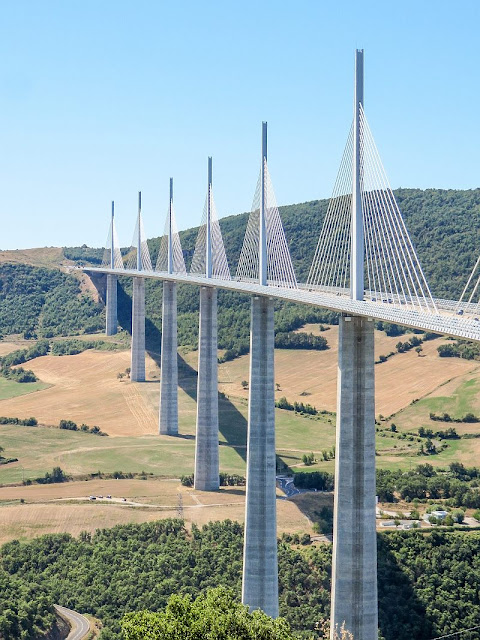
(206, 443)
(354, 579)
(137, 373)
(260, 567)
(111, 306)
(168, 414)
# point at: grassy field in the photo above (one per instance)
(12, 389)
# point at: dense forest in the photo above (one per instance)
(429, 583)
(45, 302)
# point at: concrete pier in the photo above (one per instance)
(168, 416)
(137, 373)
(111, 306)
(206, 443)
(260, 568)
(354, 572)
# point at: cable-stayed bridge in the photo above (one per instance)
(365, 267)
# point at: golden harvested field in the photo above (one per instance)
(66, 508)
(85, 389)
(8, 347)
(311, 376)
(42, 257)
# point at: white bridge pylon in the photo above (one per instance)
(139, 254)
(112, 256)
(264, 214)
(170, 256)
(392, 271)
(210, 258)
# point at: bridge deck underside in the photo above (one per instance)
(445, 321)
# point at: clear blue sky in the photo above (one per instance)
(102, 98)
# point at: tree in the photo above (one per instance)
(418, 350)
(216, 615)
(245, 384)
(340, 633)
(58, 475)
(430, 448)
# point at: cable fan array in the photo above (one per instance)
(107, 254)
(279, 263)
(178, 263)
(219, 257)
(392, 270)
(139, 242)
(330, 270)
(470, 298)
(393, 274)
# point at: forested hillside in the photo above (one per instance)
(428, 582)
(45, 302)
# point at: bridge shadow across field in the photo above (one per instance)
(232, 423)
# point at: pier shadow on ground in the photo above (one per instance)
(231, 422)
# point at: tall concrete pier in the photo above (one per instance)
(111, 297)
(354, 579)
(206, 477)
(168, 412)
(169, 367)
(137, 373)
(260, 565)
(111, 306)
(354, 570)
(206, 443)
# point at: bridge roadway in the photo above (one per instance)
(446, 321)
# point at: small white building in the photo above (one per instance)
(440, 515)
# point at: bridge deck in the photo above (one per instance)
(446, 321)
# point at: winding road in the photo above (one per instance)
(80, 625)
